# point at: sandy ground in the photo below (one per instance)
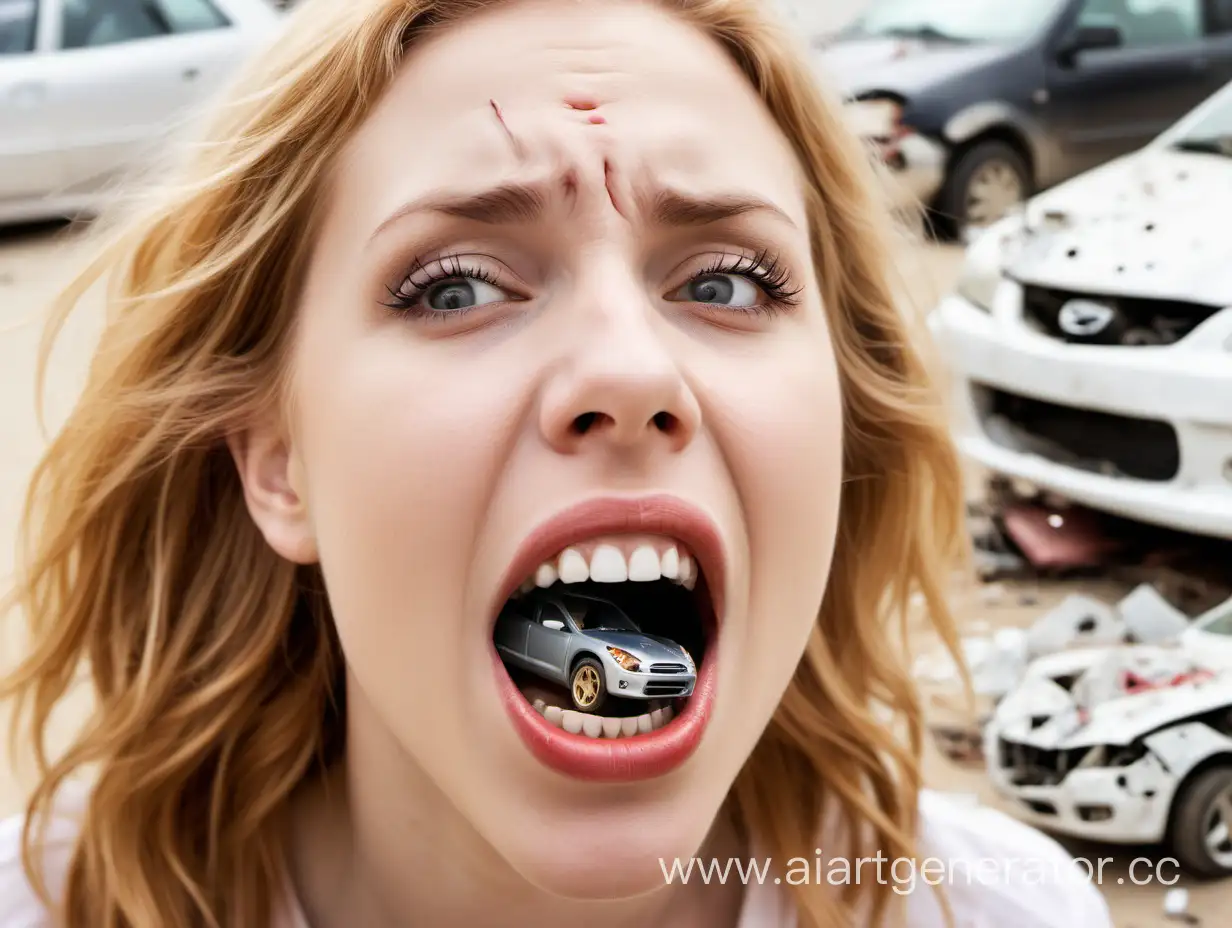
(34, 262)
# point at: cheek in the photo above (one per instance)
(783, 425)
(399, 454)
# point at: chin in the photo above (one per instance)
(606, 856)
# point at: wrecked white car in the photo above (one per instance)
(1091, 335)
(1130, 744)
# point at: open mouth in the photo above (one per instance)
(605, 647)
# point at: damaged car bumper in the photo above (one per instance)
(1123, 804)
(1141, 431)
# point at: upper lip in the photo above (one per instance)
(666, 515)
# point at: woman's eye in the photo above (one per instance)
(720, 290)
(461, 293)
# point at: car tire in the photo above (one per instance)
(587, 688)
(991, 164)
(1193, 812)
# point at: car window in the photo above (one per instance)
(1147, 23)
(18, 22)
(91, 23)
(953, 20)
(551, 611)
(1219, 16)
(602, 616)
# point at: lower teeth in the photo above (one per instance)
(600, 726)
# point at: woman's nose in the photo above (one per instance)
(620, 388)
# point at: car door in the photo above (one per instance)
(546, 647)
(31, 163)
(1105, 102)
(130, 73)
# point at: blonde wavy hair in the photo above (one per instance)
(215, 672)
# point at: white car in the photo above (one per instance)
(1091, 334)
(90, 88)
(1129, 745)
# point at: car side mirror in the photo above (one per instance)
(1089, 38)
(555, 625)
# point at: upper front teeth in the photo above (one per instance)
(609, 565)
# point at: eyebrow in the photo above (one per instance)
(522, 203)
(673, 208)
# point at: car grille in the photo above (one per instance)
(1135, 321)
(1117, 446)
(665, 689)
(1031, 766)
(668, 668)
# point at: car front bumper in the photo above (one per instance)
(1120, 805)
(644, 685)
(1187, 386)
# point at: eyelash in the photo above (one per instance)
(763, 269)
(450, 267)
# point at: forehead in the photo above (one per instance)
(677, 107)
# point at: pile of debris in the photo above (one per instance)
(998, 662)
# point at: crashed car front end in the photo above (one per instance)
(1104, 758)
(1091, 339)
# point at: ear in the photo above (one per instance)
(274, 490)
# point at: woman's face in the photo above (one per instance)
(562, 330)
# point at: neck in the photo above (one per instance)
(375, 843)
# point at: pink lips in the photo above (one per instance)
(641, 756)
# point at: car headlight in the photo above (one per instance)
(984, 263)
(875, 119)
(688, 658)
(626, 660)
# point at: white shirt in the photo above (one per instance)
(996, 873)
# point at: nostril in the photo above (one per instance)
(666, 423)
(585, 422)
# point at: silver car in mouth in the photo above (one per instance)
(590, 646)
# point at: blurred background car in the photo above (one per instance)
(89, 88)
(972, 107)
(1090, 336)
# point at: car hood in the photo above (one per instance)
(904, 66)
(1043, 714)
(640, 645)
(1151, 224)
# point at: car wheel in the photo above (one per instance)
(586, 686)
(1201, 832)
(983, 185)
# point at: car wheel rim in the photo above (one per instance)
(586, 686)
(995, 188)
(1219, 829)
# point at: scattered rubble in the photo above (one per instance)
(1176, 907)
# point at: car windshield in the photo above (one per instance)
(953, 20)
(598, 616)
(1220, 622)
(1211, 133)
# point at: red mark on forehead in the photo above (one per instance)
(597, 120)
(581, 103)
(500, 117)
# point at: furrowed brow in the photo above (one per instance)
(672, 208)
(504, 205)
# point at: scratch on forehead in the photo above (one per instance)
(500, 118)
(617, 189)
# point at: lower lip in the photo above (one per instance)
(613, 760)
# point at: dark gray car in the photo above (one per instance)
(973, 105)
(590, 646)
